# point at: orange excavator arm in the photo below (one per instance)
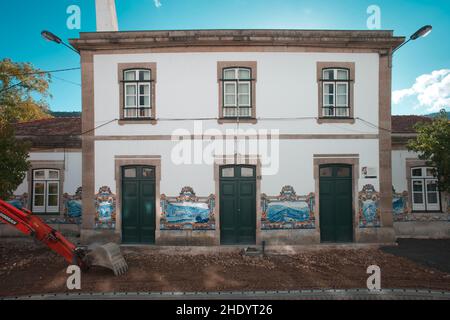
(29, 224)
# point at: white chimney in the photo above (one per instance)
(106, 17)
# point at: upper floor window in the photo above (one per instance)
(335, 93)
(137, 88)
(137, 92)
(335, 81)
(425, 192)
(237, 90)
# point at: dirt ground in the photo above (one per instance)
(29, 268)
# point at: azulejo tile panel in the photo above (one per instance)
(187, 211)
(287, 210)
(369, 210)
(105, 209)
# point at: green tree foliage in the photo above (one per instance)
(23, 90)
(13, 160)
(433, 144)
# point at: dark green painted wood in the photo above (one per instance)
(138, 207)
(238, 208)
(336, 222)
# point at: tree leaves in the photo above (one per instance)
(433, 144)
(23, 90)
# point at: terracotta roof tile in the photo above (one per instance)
(51, 133)
(405, 124)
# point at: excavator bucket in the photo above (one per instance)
(108, 256)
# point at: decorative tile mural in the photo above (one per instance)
(369, 211)
(187, 211)
(72, 206)
(287, 210)
(400, 207)
(105, 209)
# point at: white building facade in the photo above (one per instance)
(237, 136)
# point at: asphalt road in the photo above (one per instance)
(429, 253)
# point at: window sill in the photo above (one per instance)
(151, 121)
(335, 120)
(235, 120)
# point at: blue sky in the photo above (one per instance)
(421, 69)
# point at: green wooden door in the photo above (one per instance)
(237, 204)
(335, 196)
(138, 204)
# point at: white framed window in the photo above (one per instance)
(335, 92)
(46, 184)
(137, 93)
(424, 189)
(237, 92)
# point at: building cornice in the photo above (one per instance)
(350, 39)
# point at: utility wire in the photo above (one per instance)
(37, 72)
(43, 71)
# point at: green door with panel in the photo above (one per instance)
(335, 196)
(237, 204)
(138, 204)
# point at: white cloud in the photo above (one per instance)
(157, 3)
(432, 91)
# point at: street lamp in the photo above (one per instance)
(422, 32)
(47, 35)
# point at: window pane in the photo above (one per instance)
(417, 172)
(418, 198)
(328, 74)
(39, 188)
(432, 197)
(342, 74)
(244, 100)
(326, 172)
(53, 188)
(244, 88)
(229, 74)
(329, 88)
(343, 172)
(230, 88)
(329, 100)
(417, 186)
(39, 174)
(144, 101)
(432, 185)
(230, 99)
(130, 89)
(341, 88)
(148, 172)
(228, 172)
(39, 200)
(341, 100)
(130, 75)
(53, 174)
(129, 173)
(131, 101)
(144, 75)
(52, 200)
(244, 74)
(144, 89)
(247, 172)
